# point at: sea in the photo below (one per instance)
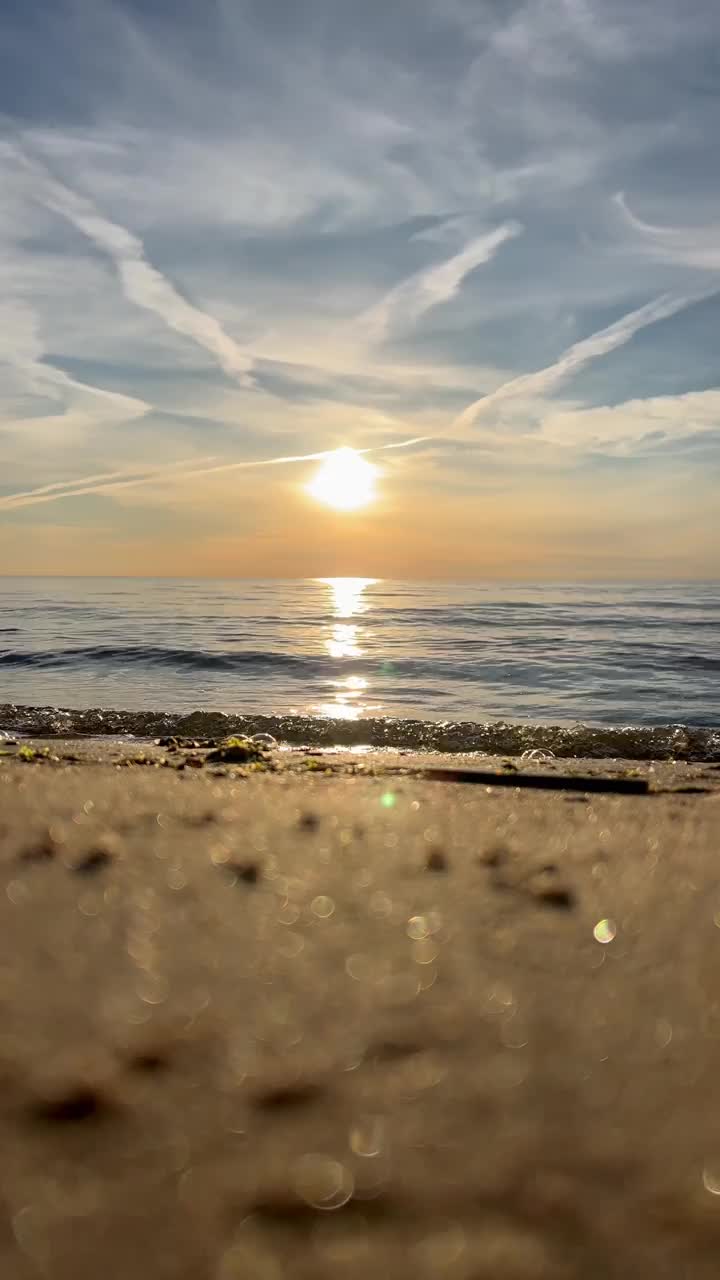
(602, 670)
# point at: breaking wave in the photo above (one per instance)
(657, 742)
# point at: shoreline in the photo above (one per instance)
(192, 754)
(566, 740)
(312, 1013)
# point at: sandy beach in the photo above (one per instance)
(320, 1015)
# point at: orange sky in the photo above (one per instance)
(252, 524)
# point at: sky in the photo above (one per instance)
(238, 231)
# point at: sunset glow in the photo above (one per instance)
(344, 481)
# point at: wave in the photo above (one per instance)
(531, 614)
(468, 661)
(150, 655)
(660, 742)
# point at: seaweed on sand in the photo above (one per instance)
(237, 751)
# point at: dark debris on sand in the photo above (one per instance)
(437, 860)
(248, 872)
(71, 1106)
(94, 861)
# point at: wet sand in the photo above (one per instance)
(330, 1017)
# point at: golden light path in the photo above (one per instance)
(344, 642)
(344, 481)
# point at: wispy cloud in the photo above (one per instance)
(21, 351)
(404, 305)
(687, 246)
(258, 235)
(141, 282)
(634, 426)
(176, 471)
(66, 488)
(103, 404)
(580, 354)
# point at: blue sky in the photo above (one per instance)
(232, 232)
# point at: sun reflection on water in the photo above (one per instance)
(342, 642)
(348, 704)
(347, 595)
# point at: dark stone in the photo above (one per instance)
(286, 1097)
(77, 1104)
(149, 1062)
(43, 851)
(437, 860)
(248, 872)
(561, 899)
(493, 857)
(94, 861)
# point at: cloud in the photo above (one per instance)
(131, 479)
(686, 246)
(580, 354)
(635, 426)
(404, 305)
(326, 192)
(67, 488)
(21, 351)
(141, 282)
(101, 405)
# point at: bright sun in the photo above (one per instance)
(344, 481)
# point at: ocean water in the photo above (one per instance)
(596, 669)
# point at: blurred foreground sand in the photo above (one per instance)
(304, 1024)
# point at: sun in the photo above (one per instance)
(344, 481)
